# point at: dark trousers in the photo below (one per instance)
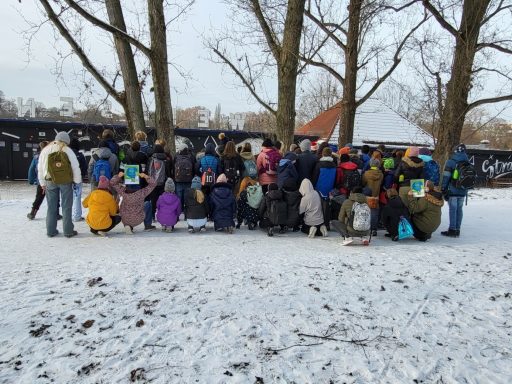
(39, 198)
(421, 236)
(155, 194)
(115, 220)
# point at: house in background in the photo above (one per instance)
(375, 124)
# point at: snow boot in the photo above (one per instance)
(312, 232)
(450, 233)
(32, 214)
(323, 230)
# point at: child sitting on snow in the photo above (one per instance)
(196, 207)
(223, 205)
(132, 204)
(168, 207)
(102, 216)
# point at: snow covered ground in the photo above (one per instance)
(244, 308)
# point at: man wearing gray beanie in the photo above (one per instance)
(306, 161)
(58, 169)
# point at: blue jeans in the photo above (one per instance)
(180, 191)
(77, 202)
(66, 201)
(455, 204)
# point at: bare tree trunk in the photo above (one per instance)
(348, 102)
(134, 110)
(287, 72)
(459, 85)
(160, 70)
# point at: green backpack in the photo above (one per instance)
(59, 168)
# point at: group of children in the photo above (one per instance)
(355, 193)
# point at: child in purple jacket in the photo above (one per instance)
(168, 207)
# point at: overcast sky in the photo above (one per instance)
(210, 83)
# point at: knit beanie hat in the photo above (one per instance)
(460, 148)
(169, 185)
(424, 151)
(344, 150)
(63, 136)
(414, 151)
(103, 182)
(389, 163)
(375, 163)
(305, 145)
(196, 183)
(222, 178)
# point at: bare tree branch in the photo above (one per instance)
(323, 65)
(495, 46)
(109, 28)
(440, 19)
(490, 100)
(244, 80)
(498, 9)
(267, 31)
(328, 32)
(80, 53)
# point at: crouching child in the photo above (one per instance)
(273, 210)
(196, 207)
(168, 207)
(311, 208)
(102, 216)
(223, 205)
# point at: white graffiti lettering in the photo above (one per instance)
(496, 169)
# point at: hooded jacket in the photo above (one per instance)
(271, 195)
(448, 184)
(42, 163)
(426, 211)
(209, 160)
(346, 210)
(292, 197)
(286, 171)
(410, 168)
(103, 153)
(168, 209)
(341, 172)
(102, 206)
(223, 205)
(373, 179)
(310, 204)
(324, 175)
(391, 213)
(305, 165)
(261, 164)
(132, 204)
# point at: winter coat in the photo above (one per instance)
(136, 158)
(168, 209)
(391, 213)
(261, 164)
(32, 170)
(305, 165)
(426, 211)
(410, 168)
(179, 156)
(245, 211)
(324, 175)
(263, 209)
(346, 211)
(372, 178)
(235, 163)
(194, 209)
(292, 199)
(223, 205)
(82, 163)
(389, 179)
(448, 184)
(132, 204)
(209, 160)
(286, 171)
(145, 147)
(310, 204)
(341, 173)
(113, 146)
(105, 154)
(102, 206)
(365, 158)
(42, 163)
(357, 161)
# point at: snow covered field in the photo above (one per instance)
(244, 308)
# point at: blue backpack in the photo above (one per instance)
(250, 169)
(404, 229)
(431, 170)
(101, 168)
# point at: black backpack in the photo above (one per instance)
(465, 175)
(183, 169)
(278, 212)
(351, 179)
(231, 170)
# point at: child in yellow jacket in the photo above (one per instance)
(102, 216)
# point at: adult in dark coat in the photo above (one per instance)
(286, 169)
(223, 205)
(306, 161)
(392, 212)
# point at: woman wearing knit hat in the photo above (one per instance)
(102, 216)
(196, 207)
(168, 207)
(223, 205)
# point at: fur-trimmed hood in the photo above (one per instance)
(434, 197)
(413, 161)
